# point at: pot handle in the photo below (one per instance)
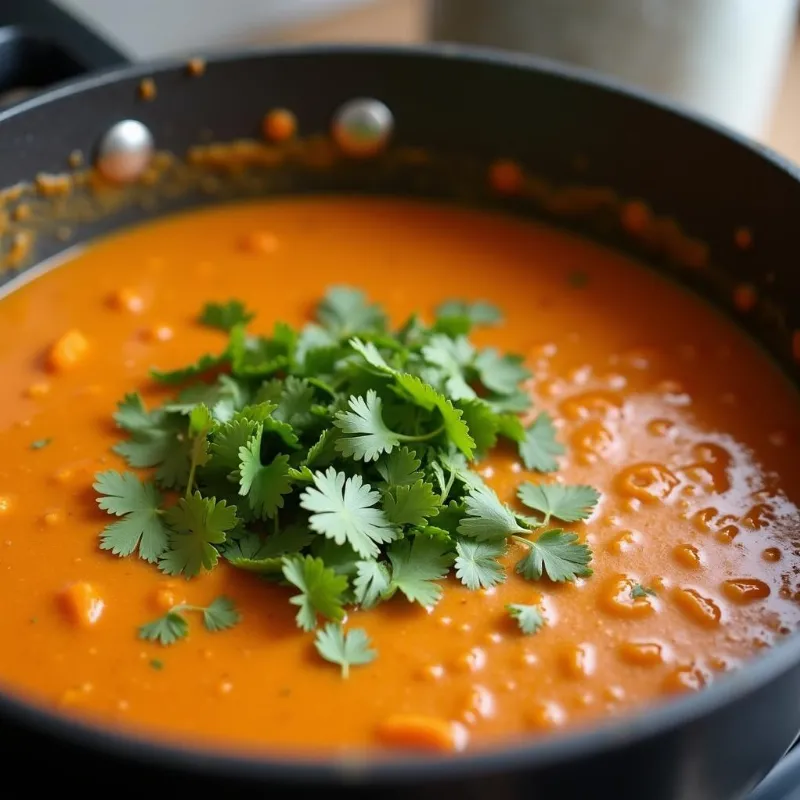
(783, 783)
(42, 44)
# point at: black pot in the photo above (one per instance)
(472, 106)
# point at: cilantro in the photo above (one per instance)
(368, 435)
(143, 526)
(225, 316)
(198, 523)
(342, 509)
(345, 311)
(263, 485)
(483, 423)
(567, 503)
(400, 468)
(338, 459)
(487, 518)
(529, 618)
(639, 591)
(220, 615)
(321, 590)
(345, 649)
(38, 444)
(425, 396)
(156, 663)
(478, 313)
(556, 554)
(411, 504)
(372, 581)
(539, 448)
(501, 374)
(476, 563)
(416, 564)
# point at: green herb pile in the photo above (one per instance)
(336, 460)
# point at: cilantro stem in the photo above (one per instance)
(522, 540)
(190, 482)
(422, 437)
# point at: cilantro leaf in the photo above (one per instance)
(323, 452)
(264, 485)
(416, 564)
(539, 448)
(139, 503)
(452, 356)
(425, 396)
(501, 374)
(638, 591)
(400, 468)
(343, 509)
(371, 582)
(198, 524)
(132, 416)
(294, 403)
(478, 313)
(205, 364)
(372, 356)
(220, 615)
(558, 555)
(487, 518)
(411, 504)
(228, 440)
(225, 316)
(158, 439)
(482, 422)
(368, 435)
(476, 563)
(528, 617)
(345, 649)
(567, 503)
(321, 590)
(345, 311)
(172, 626)
(510, 426)
(165, 630)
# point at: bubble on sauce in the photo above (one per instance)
(649, 482)
(126, 299)
(545, 716)
(688, 555)
(685, 678)
(577, 661)
(159, 333)
(259, 243)
(745, 590)
(481, 701)
(616, 597)
(624, 542)
(697, 607)
(431, 673)
(643, 653)
(474, 660)
(771, 554)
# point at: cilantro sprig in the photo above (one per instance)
(337, 460)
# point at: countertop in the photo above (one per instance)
(403, 21)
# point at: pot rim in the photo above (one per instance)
(371, 768)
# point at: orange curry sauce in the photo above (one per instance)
(688, 430)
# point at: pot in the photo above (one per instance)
(586, 140)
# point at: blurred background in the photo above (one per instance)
(737, 61)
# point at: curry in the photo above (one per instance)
(685, 431)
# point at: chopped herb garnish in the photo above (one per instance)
(225, 316)
(529, 618)
(38, 444)
(639, 591)
(156, 663)
(174, 625)
(338, 460)
(345, 649)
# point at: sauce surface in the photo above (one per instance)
(689, 431)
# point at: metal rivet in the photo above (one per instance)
(125, 151)
(362, 127)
